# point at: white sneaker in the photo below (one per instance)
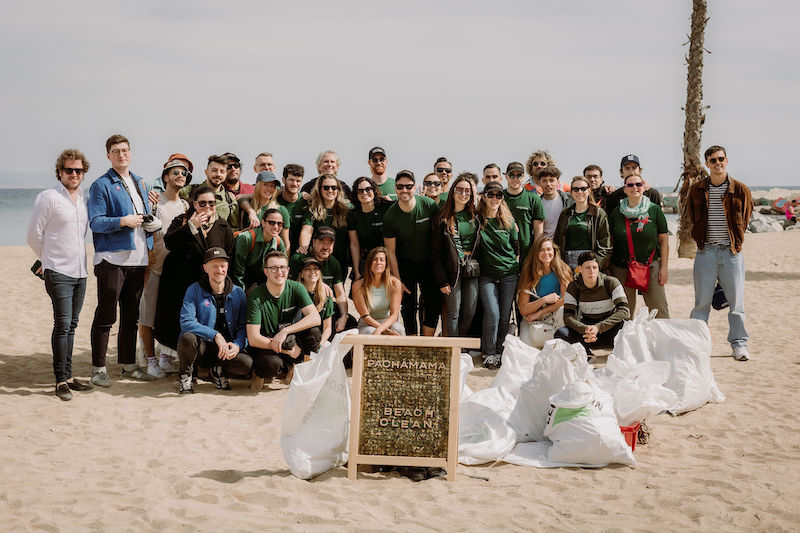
(740, 353)
(153, 369)
(166, 365)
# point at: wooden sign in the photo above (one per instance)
(404, 409)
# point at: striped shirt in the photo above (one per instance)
(717, 232)
(604, 305)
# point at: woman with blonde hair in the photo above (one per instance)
(543, 282)
(327, 206)
(377, 296)
(311, 278)
(265, 196)
(499, 270)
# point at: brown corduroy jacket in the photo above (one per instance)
(737, 203)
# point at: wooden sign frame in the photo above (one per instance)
(455, 345)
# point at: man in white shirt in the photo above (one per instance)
(117, 212)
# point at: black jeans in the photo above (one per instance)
(604, 340)
(67, 294)
(415, 275)
(268, 364)
(192, 349)
(116, 285)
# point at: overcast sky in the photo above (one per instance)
(477, 82)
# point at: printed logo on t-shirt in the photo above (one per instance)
(523, 208)
(288, 309)
(421, 220)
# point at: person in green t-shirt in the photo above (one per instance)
(265, 194)
(526, 208)
(432, 187)
(327, 206)
(251, 247)
(583, 226)
(311, 278)
(648, 228)
(444, 169)
(498, 259)
(406, 233)
(293, 201)
(377, 161)
(365, 221)
(277, 339)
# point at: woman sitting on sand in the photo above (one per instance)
(377, 297)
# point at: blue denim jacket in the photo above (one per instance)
(199, 313)
(108, 203)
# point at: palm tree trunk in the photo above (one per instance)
(693, 170)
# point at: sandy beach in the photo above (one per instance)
(137, 457)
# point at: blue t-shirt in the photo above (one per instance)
(549, 284)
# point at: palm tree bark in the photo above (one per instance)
(693, 170)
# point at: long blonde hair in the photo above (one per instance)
(504, 216)
(256, 201)
(533, 268)
(316, 204)
(369, 278)
(318, 295)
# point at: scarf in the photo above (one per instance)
(639, 213)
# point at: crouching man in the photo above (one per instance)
(278, 341)
(594, 306)
(213, 329)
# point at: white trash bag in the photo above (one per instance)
(558, 364)
(638, 391)
(316, 419)
(517, 368)
(632, 343)
(584, 428)
(466, 367)
(483, 433)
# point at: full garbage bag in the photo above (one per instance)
(518, 363)
(316, 418)
(484, 434)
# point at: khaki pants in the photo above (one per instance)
(654, 298)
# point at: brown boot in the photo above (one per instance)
(256, 383)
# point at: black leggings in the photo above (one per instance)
(415, 275)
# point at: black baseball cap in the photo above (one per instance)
(325, 232)
(628, 159)
(405, 174)
(308, 261)
(376, 151)
(515, 165)
(215, 253)
(493, 186)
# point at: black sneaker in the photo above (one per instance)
(63, 392)
(219, 380)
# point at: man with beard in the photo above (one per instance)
(377, 165)
(226, 204)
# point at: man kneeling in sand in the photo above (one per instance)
(272, 331)
(213, 324)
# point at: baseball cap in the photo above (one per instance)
(231, 157)
(180, 156)
(325, 232)
(308, 261)
(493, 186)
(515, 165)
(405, 174)
(215, 253)
(628, 159)
(376, 151)
(266, 176)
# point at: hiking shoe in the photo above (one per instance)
(492, 362)
(166, 365)
(185, 381)
(138, 374)
(63, 392)
(740, 353)
(154, 369)
(100, 378)
(219, 380)
(78, 385)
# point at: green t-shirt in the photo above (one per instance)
(576, 236)
(644, 241)
(411, 230)
(466, 230)
(387, 189)
(227, 206)
(331, 268)
(296, 212)
(272, 313)
(525, 208)
(247, 266)
(327, 307)
(341, 248)
(496, 253)
(368, 226)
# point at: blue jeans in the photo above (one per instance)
(461, 303)
(714, 263)
(497, 297)
(67, 294)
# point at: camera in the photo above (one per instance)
(150, 223)
(146, 219)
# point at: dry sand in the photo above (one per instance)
(138, 457)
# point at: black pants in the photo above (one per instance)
(268, 364)
(191, 349)
(418, 279)
(116, 285)
(604, 340)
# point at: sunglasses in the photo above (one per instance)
(462, 190)
(632, 185)
(515, 175)
(177, 172)
(71, 171)
(206, 203)
(233, 165)
(540, 164)
(330, 187)
(580, 189)
(378, 159)
(441, 170)
(713, 160)
(278, 223)
(432, 183)
(404, 187)
(365, 190)
(497, 195)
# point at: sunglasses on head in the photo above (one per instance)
(70, 171)
(233, 165)
(365, 190)
(206, 203)
(330, 187)
(404, 186)
(634, 184)
(713, 160)
(540, 163)
(278, 223)
(580, 189)
(432, 183)
(497, 194)
(177, 172)
(444, 170)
